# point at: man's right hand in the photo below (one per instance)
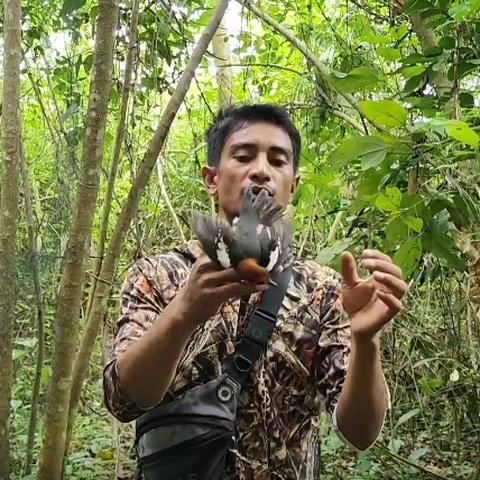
(208, 287)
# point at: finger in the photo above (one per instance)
(375, 254)
(381, 266)
(239, 289)
(349, 269)
(394, 305)
(390, 284)
(217, 278)
(205, 264)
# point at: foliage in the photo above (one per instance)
(398, 171)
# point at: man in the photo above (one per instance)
(182, 316)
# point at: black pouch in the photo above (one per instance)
(189, 438)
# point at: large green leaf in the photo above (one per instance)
(408, 255)
(462, 132)
(389, 53)
(369, 149)
(357, 79)
(385, 112)
(442, 246)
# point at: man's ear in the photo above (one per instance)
(209, 175)
(294, 186)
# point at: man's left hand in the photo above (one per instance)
(371, 303)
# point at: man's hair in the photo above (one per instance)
(233, 119)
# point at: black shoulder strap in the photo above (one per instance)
(260, 327)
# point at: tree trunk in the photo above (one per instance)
(148, 163)
(112, 175)
(70, 291)
(221, 53)
(427, 39)
(37, 284)
(9, 198)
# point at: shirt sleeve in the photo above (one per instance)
(333, 346)
(334, 353)
(143, 298)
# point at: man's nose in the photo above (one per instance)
(260, 169)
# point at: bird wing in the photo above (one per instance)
(276, 241)
(215, 234)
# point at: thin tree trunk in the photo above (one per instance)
(35, 270)
(221, 54)
(112, 175)
(70, 291)
(166, 199)
(148, 163)
(9, 198)
(427, 39)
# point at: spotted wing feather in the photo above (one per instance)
(215, 235)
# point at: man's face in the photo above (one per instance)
(258, 154)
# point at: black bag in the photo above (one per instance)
(189, 438)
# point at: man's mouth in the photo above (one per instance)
(256, 189)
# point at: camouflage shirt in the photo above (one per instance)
(302, 371)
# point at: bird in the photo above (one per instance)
(255, 244)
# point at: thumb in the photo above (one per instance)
(349, 269)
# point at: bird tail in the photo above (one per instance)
(262, 206)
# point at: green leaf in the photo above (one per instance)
(466, 100)
(415, 223)
(385, 112)
(369, 149)
(462, 132)
(327, 254)
(70, 6)
(442, 245)
(408, 256)
(390, 201)
(447, 43)
(389, 53)
(433, 51)
(418, 453)
(407, 416)
(413, 83)
(357, 79)
(413, 71)
(396, 230)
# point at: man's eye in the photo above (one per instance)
(242, 158)
(278, 161)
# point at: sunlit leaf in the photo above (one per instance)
(385, 112)
(415, 223)
(462, 132)
(389, 53)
